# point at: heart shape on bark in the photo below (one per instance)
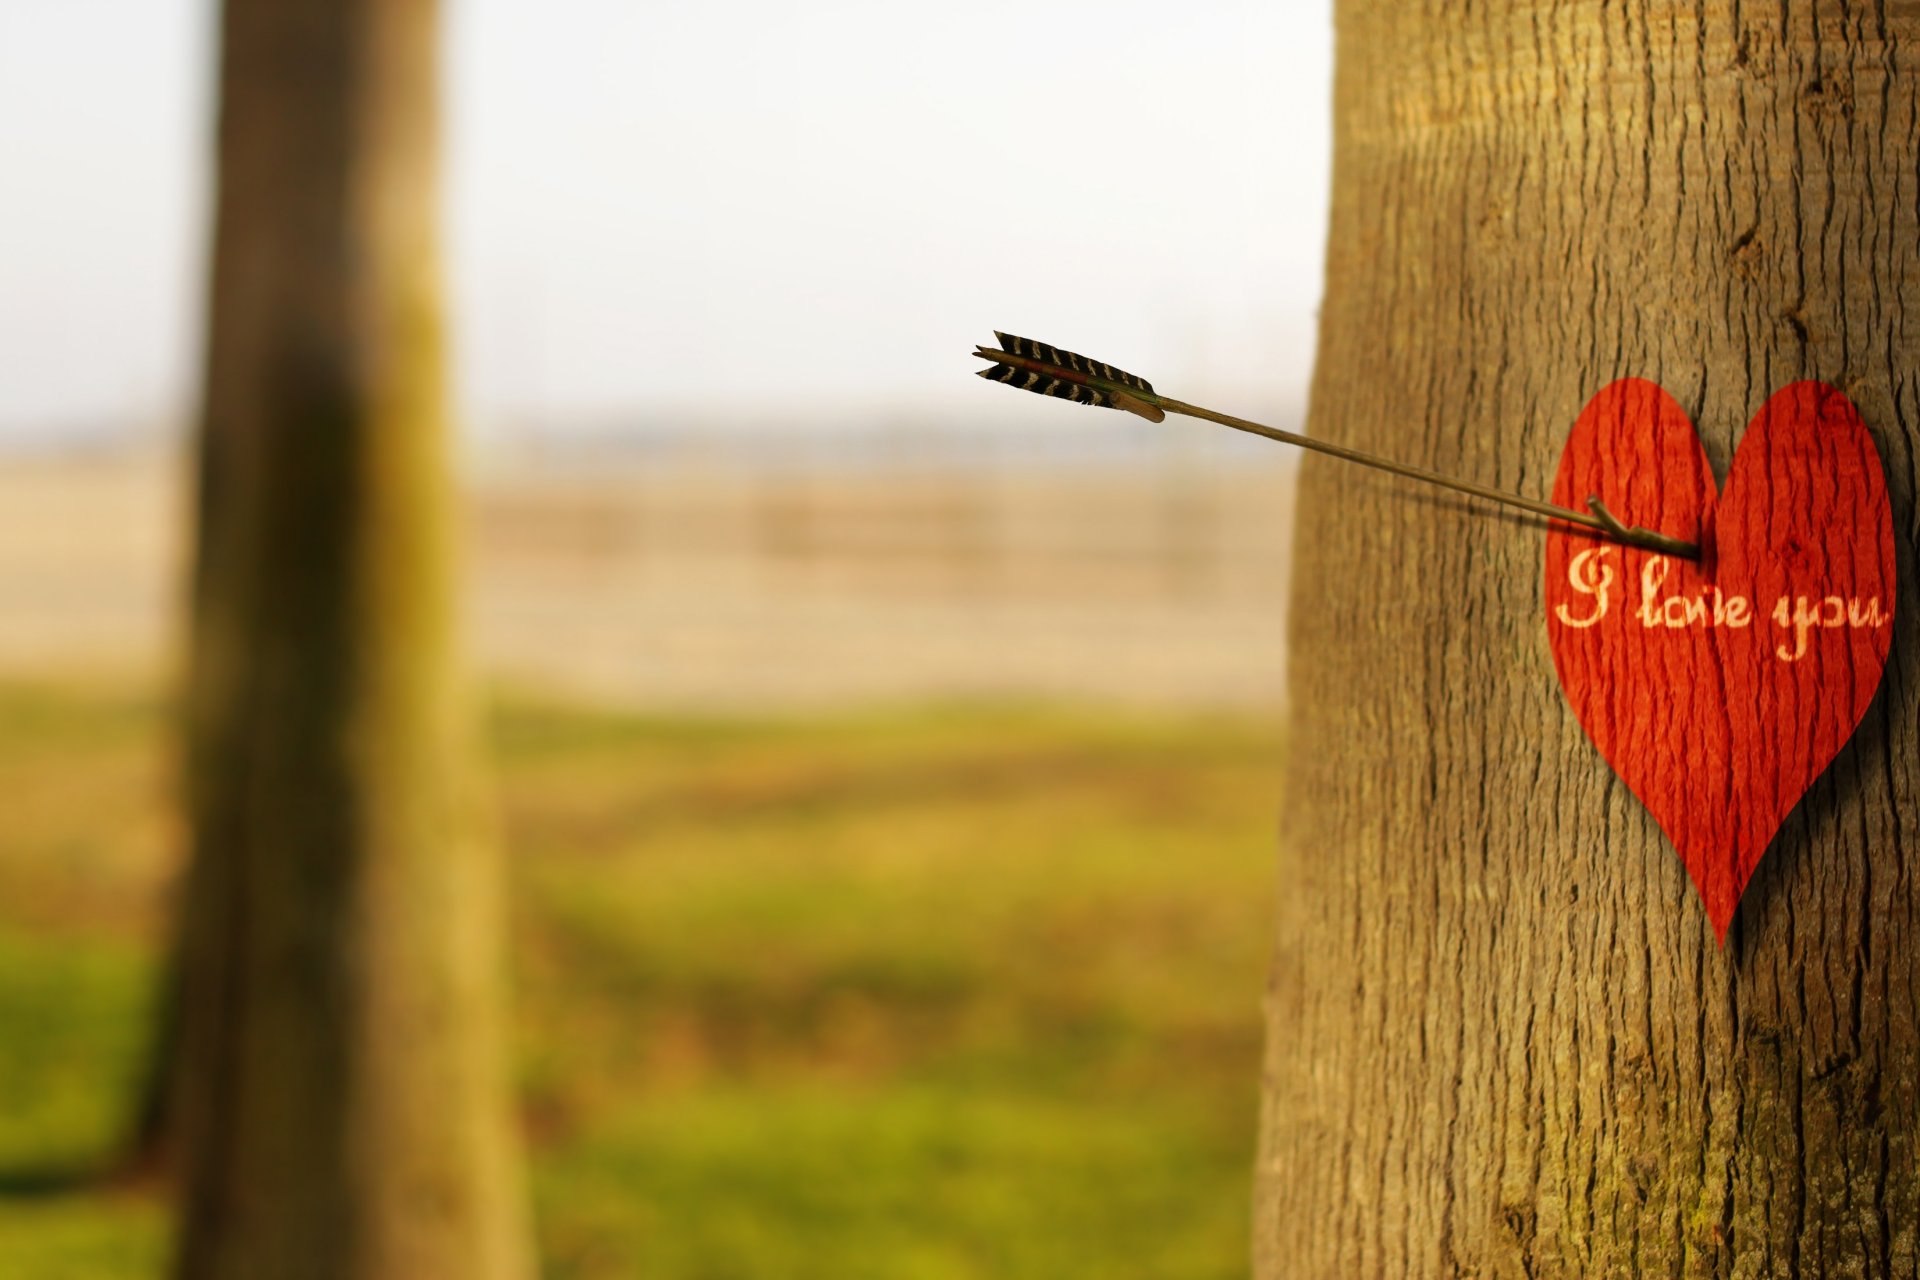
(1720, 689)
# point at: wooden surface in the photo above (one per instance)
(1504, 1040)
(1719, 689)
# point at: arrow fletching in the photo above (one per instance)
(1049, 371)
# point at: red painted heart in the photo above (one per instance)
(1720, 689)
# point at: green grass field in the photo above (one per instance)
(930, 995)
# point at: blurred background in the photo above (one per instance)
(887, 761)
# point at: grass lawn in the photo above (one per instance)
(928, 994)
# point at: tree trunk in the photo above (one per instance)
(340, 1090)
(1502, 1040)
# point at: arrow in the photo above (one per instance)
(1049, 371)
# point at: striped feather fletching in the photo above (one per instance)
(1070, 382)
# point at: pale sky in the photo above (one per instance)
(733, 206)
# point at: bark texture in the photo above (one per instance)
(1502, 1041)
(339, 1091)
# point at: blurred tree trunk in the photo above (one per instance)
(338, 1086)
(1502, 1041)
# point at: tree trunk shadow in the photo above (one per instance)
(55, 1179)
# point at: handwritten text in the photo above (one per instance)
(1796, 616)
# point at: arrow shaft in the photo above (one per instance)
(1385, 464)
(1607, 527)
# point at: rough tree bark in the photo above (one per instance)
(1502, 1041)
(339, 1094)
